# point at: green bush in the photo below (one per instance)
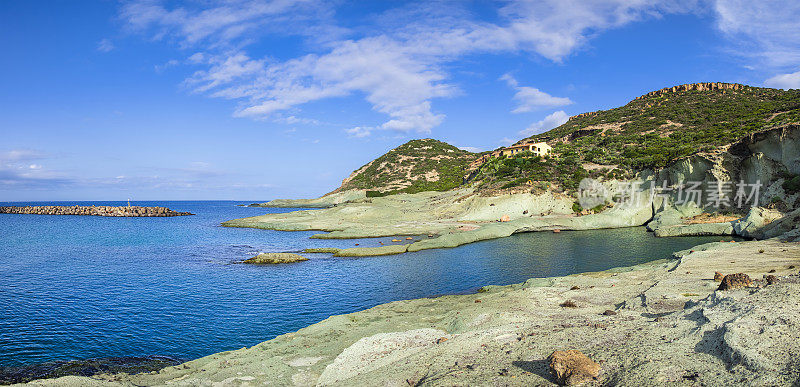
(792, 185)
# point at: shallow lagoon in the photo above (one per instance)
(75, 287)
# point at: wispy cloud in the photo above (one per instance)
(551, 121)
(764, 33)
(105, 45)
(17, 170)
(230, 22)
(400, 71)
(531, 98)
(359, 131)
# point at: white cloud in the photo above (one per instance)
(221, 23)
(531, 98)
(170, 63)
(398, 65)
(359, 131)
(784, 81)
(551, 121)
(105, 45)
(765, 30)
(16, 155)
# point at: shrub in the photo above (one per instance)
(792, 185)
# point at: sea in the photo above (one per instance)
(83, 287)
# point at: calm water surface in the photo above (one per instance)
(77, 287)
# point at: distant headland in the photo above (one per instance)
(121, 211)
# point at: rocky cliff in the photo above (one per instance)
(702, 86)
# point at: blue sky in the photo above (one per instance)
(259, 99)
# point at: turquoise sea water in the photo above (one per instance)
(78, 287)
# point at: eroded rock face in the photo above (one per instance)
(735, 281)
(572, 367)
(702, 86)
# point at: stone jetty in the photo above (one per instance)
(122, 211)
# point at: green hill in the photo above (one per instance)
(418, 165)
(650, 132)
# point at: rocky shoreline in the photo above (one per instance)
(109, 365)
(666, 322)
(466, 215)
(120, 211)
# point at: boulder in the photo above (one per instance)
(735, 281)
(755, 220)
(572, 367)
(272, 258)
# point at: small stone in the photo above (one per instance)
(572, 367)
(771, 279)
(609, 312)
(574, 288)
(735, 281)
(441, 340)
(569, 304)
(477, 301)
(772, 271)
(505, 218)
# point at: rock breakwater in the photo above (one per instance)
(122, 211)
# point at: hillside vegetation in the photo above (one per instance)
(650, 132)
(416, 166)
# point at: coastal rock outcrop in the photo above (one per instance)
(121, 211)
(329, 200)
(274, 258)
